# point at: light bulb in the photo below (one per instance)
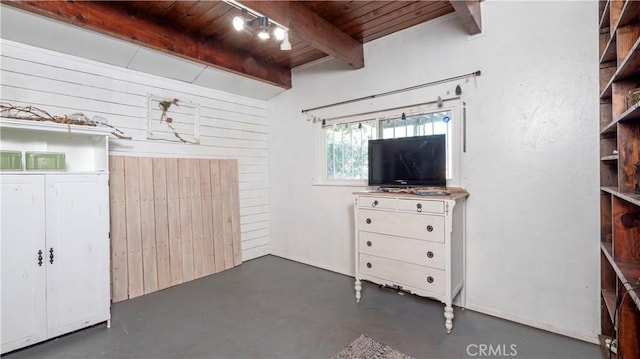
(263, 34)
(278, 33)
(238, 23)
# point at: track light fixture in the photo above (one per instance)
(260, 25)
(263, 28)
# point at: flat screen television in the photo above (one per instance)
(408, 162)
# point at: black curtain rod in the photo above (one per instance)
(476, 73)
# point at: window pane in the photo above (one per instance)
(347, 156)
(346, 144)
(420, 125)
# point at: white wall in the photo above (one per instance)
(531, 164)
(232, 126)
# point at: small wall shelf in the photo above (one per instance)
(86, 147)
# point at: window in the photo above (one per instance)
(344, 156)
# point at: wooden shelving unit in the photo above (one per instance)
(619, 25)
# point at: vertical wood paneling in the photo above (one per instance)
(119, 276)
(134, 243)
(235, 211)
(173, 215)
(162, 222)
(207, 217)
(174, 220)
(196, 219)
(216, 207)
(227, 211)
(148, 225)
(184, 181)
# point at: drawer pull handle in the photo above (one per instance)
(430, 279)
(419, 207)
(368, 221)
(430, 254)
(368, 265)
(375, 203)
(368, 243)
(429, 228)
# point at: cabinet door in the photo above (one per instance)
(77, 236)
(23, 285)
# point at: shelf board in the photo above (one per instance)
(632, 113)
(633, 198)
(609, 298)
(604, 19)
(609, 129)
(626, 272)
(609, 158)
(606, 92)
(52, 172)
(51, 126)
(628, 14)
(630, 65)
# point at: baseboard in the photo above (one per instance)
(310, 263)
(590, 338)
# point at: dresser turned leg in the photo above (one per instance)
(448, 314)
(358, 288)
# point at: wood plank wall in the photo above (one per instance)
(172, 220)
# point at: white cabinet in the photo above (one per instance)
(412, 243)
(23, 285)
(54, 244)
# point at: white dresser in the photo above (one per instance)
(413, 243)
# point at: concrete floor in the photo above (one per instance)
(274, 308)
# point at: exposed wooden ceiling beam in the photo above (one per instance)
(312, 29)
(105, 18)
(469, 13)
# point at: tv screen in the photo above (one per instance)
(408, 162)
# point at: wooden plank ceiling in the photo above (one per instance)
(202, 30)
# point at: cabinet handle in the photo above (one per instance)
(368, 243)
(39, 257)
(368, 265)
(430, 254)
(430, 279)
(51, 255)
(419, 207)
(374, 204)
(368, 221)
(429, 228)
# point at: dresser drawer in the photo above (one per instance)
(377, 202)
(412, 225)
(421, 206)
(415, 251)
(404, 274)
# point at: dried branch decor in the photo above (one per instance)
(164, 105)
(182, 124)
(33, 113)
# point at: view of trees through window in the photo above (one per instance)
(346, 143)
